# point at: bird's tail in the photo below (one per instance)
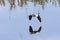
(39, 29)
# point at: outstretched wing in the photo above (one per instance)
(39, 29)
(39, 18)
(30, 29)
(30, 17)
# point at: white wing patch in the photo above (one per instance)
(36, 15)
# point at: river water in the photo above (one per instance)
(14, 20)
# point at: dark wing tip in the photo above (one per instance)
(30, 17)
(30, 29)
(39, 18)
(40, 29)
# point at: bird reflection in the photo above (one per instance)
(34, 32)
(35, 15)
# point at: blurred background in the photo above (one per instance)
(14, 20)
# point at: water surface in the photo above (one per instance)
(14, 22)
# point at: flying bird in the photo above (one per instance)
(35, 15)
(34, 32)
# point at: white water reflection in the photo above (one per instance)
(14, 24)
